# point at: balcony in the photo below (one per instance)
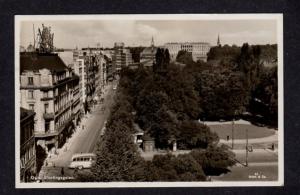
(47, 98)
(45, 134)
(48, 116)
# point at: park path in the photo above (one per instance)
(269, 139)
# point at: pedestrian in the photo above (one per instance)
(75, 170)
(62, 171)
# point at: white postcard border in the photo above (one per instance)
(278, 17)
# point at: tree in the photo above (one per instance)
(249, 64)
(195, 135)
(41, 155)
(171, 168)
(184, 57)
(265, 96)
(162, 61)
(214, 160)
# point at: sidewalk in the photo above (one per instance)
(242, 122)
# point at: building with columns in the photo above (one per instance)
(199, 50)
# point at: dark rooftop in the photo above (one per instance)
(147, 137)
(25, 113)
(35, 61)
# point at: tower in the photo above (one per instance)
(218, 41)
(152, 44)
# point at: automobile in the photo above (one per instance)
(103, 130)
(82, 160)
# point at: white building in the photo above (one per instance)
(48, 87)
(83, 59)
(80, 70)
(128, 57)
(121, 57)
(199, 50)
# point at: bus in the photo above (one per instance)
(82, 160)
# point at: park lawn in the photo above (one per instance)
(224, 130)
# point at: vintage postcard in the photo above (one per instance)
(168, 100)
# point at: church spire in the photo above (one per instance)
(152, 44)
(218, 42)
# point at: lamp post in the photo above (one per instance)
(247, 148)
(232, 129)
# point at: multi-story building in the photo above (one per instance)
(128, 57)
(48, 87)
(27, 145)
(80, 70)
(100, 74)
(90, 66)
(121, 57)
(199, 50)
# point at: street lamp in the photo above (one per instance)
(232, 129)
(247, 150)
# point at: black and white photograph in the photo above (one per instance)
(157, 100)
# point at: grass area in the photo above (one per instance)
(225, 130)
(270, 173)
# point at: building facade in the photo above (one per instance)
(91, 67)
(122, 57)
(49, 88)
(27, 145)
(119, 57)
(199, 50)
(147, 56)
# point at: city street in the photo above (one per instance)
(82, 141)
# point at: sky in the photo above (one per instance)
(72, 33)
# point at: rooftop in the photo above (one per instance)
(182, 43)
(36, 61)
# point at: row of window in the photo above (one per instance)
(62, 101)
(83, 159)
(62, 119)
(31, 94)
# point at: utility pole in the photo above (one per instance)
(232, 132)
(247, 148)
(33, 37)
